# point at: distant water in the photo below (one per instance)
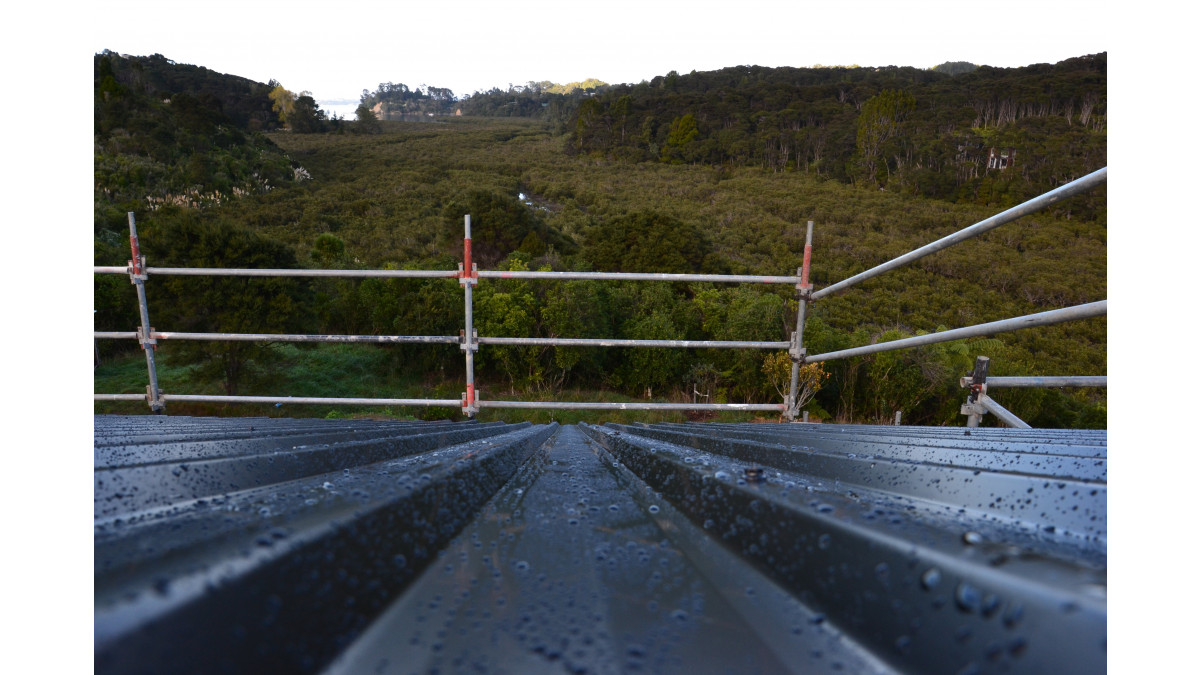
(341, 107)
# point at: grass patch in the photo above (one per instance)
(361, 371)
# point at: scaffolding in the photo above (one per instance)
(468, 276)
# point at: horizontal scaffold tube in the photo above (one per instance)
(119, 397)
(1036, 204)
(580, 405)
(638, 276)
(1076, 313)
(601, 342)
(224, 272)
(451, 274)
(1053, 381)
(308, 400)
(274, 337)
(121, 335)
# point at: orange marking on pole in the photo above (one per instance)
(807, 261)
(137, 254)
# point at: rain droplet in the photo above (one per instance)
(972, 538)
(327, 485)
(967, 597)
(824, 541)
(931, 578)
(722, 475)
(991, 603)
(653, 508)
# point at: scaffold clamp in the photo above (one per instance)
(137, 269)
(797, 352)
(472, 345)
(144, 340)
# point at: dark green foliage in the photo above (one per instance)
(878, 124)
(681, 137)
(328, 251)
(307, 117)
(173, 134)
(553, 103)
(223, 304)
(648, 241)
(397, 199)
(365, 121)
(500, 225)
(955, 67)
(922, 132)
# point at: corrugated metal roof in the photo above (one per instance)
(267, 545)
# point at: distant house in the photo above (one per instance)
(1001, 159)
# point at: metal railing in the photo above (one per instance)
(468, 276)
(979, 403)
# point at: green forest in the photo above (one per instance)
(705, 172)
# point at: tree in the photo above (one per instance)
(684, 131)
(878, 123)
(282, 102)
(328, 250)
(648, 241)
(365, 120)
(620, 111)
(508, 308)
(307, 117)
(223, 304)
(500, 225)
(589, 126)
(778, 369)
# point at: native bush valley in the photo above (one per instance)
(702, 172)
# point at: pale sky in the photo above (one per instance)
(335, 50)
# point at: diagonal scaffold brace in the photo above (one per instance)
(145, 334)
(796, 350)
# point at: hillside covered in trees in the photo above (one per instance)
(176, 134)
(920, 132)
(540, 200)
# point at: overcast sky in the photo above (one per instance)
(335, 50)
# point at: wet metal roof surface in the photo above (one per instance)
(276, 545)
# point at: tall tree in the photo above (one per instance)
(366, 121)
(680, 138)
(878, 123)
(307, 117)
(282, 102)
